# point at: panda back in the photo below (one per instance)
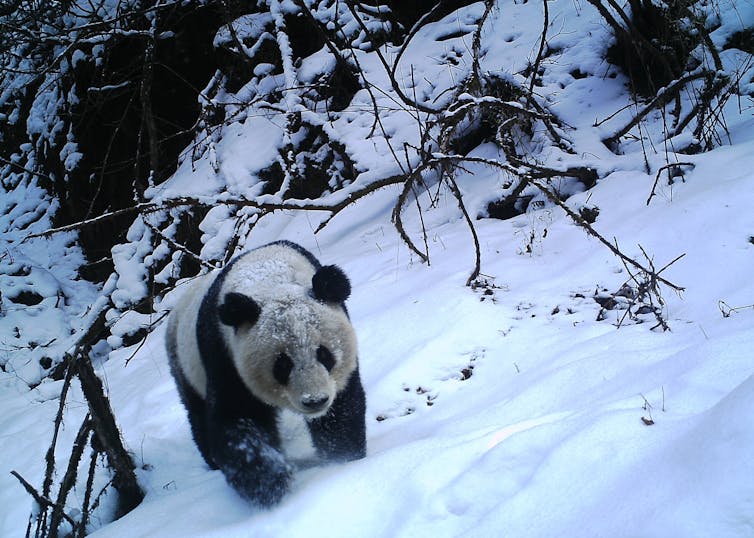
(267, 272)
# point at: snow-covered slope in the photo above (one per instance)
(515, 409)
(535, 424)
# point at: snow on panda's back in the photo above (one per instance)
(270, 272)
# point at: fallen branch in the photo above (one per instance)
(575, 217)
(102, 423)
(50, 455)
(85, 508)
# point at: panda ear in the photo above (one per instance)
(330, 284)
(238, 309)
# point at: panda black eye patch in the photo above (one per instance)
(281, 370)
(238, 309)
(324, 356)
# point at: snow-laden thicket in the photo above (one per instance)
(512, 406)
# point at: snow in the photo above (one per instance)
(508, 410)
(546, 435)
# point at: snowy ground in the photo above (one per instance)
(545, 436)
(508, 410)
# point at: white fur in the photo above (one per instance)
(295, 437)
(182, 331)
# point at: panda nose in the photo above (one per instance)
(314, 403)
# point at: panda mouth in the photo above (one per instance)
(314, 414)
(314, 405)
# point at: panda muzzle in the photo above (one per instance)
(315, 403)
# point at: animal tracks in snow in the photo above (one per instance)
(421, 395)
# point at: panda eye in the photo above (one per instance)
(325, 358)
(281, 370)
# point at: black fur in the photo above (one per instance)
(330, 284)
(281, 371)
(340, 435)
(238, 309)
(325, 358)
(234, 430)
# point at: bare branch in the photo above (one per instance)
(663, 96)
(69, 479)
(41, 500)
(108, 435)
(670, 167)
(477, 250)
(553, 197)
(188, 201)
(538, 60)
(591, 231)
(393, 81)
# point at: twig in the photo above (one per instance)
(423, 20)
(398, 221)
(88, 490)
(591, 231)
(41, 500)
(50, 455)
(188, 201)
(26, 170)
(663, 96)
(69, 479)
(711, 90)
(538, 60)
(553, 197)
(393, 81)
(178, 246)
(476, 43)
(726, 310)
(477, 250)
(108, 435)
(659, 171)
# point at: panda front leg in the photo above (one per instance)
(340, 434)
(248, 457)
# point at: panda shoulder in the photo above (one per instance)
(193, 293)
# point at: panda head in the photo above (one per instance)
(294, 348)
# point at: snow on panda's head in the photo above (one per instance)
(290, 339)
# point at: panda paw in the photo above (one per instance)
(264, 485)
(252, 466)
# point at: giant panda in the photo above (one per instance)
(262, 350)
